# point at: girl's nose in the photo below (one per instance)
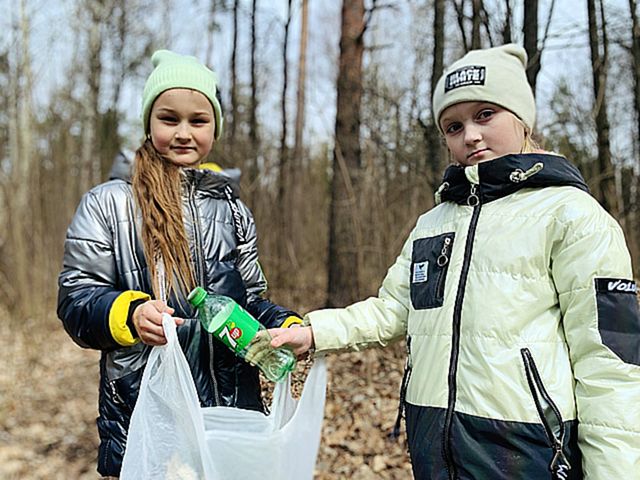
(472, 135)
(183, 132)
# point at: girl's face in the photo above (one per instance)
(480, 131)
(182, 126)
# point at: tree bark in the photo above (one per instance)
(298, 157)
(530, 31)
(254, 135)
(476, 22)
(633, 224)
(435, 152)
(302, 77)
(90, 167)
(606, 188)
(508, 21)
(344, 237)
(234, 76)
(459, 8)
(284, 181)
(635, 53)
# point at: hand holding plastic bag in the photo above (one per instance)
(171, 437)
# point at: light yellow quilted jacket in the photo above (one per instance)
(516, 297)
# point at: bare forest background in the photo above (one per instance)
(327, 114)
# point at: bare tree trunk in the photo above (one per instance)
(635, 52)
(344, 242)
(508, 21)
(234, 76)
(459, 8)
(606, 188)
(435, 152)
(108, 137)
(212, 27)
(284, 181)
(302, 76)
(19, 219)
(254, 135)
(634, 221)
(476, 21)
(298, 146)
(530, 31)
(90, 167)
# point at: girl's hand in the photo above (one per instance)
(147, 319)
(298, 339)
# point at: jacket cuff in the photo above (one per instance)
(292, 320)
(119, 314)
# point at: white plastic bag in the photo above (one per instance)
(171, 437)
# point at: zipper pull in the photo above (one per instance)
(473, 199)
(559, 465)
(443, 259)
(518, 175)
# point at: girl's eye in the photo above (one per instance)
(453, 128)
(200, 121)
(485, 114)
(168, 119)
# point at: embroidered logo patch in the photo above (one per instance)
(471, 75)
(420, 272)
(618, 285)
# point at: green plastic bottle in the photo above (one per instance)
(237, 329)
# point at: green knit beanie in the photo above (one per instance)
(495, 75)
(179, 71)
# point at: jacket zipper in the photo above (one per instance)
(559, 464)
(474, 200)
(199, 266)
(403, 390)
(442, 261)
(133, 238)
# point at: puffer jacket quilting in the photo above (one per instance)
(516, 298)
(104, 260)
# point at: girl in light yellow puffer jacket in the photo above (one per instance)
(516, 298)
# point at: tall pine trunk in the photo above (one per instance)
(605, 186)
(284, 181)
(530, 31)
(344, 231)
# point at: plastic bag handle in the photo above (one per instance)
(169, 327)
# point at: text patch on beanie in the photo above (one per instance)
(462, 77)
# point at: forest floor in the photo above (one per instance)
(48, 406)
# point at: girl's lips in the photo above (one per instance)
(183, 149)
(476, 153)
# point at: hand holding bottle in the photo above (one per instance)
(298, 339)
(237, 329)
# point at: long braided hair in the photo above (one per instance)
(157, 188)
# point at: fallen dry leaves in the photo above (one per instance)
(48, 406)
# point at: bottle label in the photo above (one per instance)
(238, 329)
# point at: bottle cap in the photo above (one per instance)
(197, 296)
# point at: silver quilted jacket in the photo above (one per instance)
(105, 275)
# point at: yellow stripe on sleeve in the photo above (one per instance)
(291, 321)
(118, 317)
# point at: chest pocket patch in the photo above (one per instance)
(429, 265)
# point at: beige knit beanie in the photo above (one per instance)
(495, 75)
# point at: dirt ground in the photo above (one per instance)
(48, 406)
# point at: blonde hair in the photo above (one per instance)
(157, 188)
(529, 145)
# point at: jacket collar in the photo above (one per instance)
(213, 183)
(506, 175)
